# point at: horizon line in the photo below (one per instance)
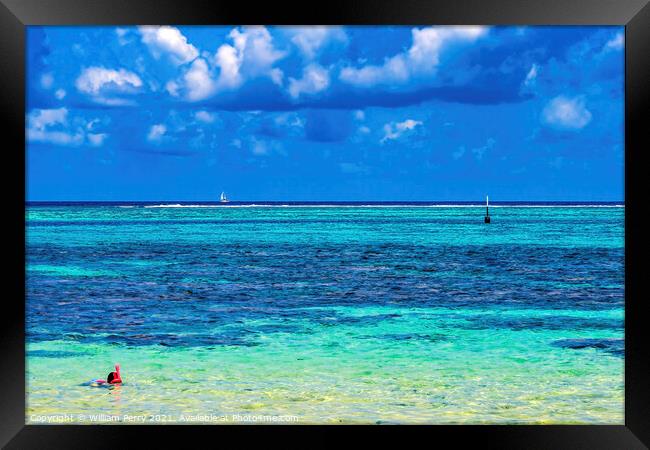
(322, 201)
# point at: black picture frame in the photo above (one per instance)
(15, 15)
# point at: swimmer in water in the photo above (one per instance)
(112, 378)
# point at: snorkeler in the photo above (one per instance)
(112, 378)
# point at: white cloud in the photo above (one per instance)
(291, 120)
(60, 94)
(53, 127)
(96, 80)
(198, 83)
(114, 101)
(55, 137)
(39, 119)
(566, 113)
(394, 130)
(157, 132)
(204, 116)
(359, 114)
(420, 59)
(314, 79)
(121, 35)
(276, 76)
(394, 70)
(91, 124)
(259, 147)
(250, 55)
(172, 87)
(364, 129)
(532, 75)
(170, 41)
(96, 139)
(229, 62)
(615, 43)
(310, 40)
(255, 47)
(428, 42)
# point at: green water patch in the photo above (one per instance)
(70, 271)
(351, 373)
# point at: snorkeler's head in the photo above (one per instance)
(114, 377)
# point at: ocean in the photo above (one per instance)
(326, 313)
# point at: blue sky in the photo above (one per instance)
(325, 113)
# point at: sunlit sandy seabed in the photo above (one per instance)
(330, 315)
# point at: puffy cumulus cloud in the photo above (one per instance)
(314, 79)
(394, 70)
(428, 42)
(251, 55)
(255, 48)
(421, 59)
(310, 40)
(229, 62)
(55, 137)
(394, 130)
(39, 119)
(566, 113)
(53, 126)
(94, 80)
(102, 84)
(166, 40)
(156, 132)
(198, 82)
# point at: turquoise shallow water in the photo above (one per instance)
(328, 314)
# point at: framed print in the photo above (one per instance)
(252, 220)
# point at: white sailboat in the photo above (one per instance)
(223, 198)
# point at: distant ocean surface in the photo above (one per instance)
(329, 312)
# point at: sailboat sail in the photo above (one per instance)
(223, 197)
